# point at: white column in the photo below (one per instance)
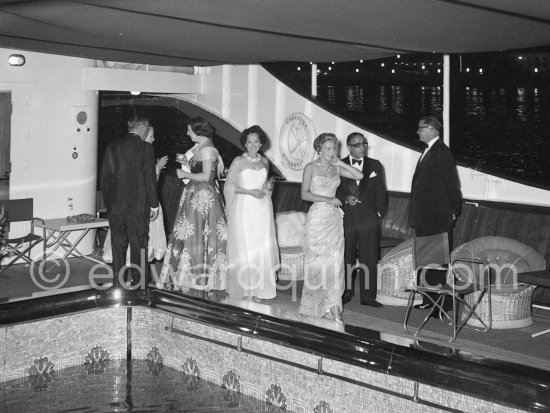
(446, 98)
(314, 80)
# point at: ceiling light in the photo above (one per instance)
(16, 60)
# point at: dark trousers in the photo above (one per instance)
(170, 190)
(130, 230)
(435, 277)
(362, 242)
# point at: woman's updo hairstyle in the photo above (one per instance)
(322, 138)
(201, 127)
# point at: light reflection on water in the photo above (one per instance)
(506, 130)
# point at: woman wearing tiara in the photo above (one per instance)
(196, 255)
(252, 252)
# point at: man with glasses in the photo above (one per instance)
(364, 202)
(435, 189)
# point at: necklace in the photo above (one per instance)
(257, 159)
(323, 168)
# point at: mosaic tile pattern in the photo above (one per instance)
(154, 361)
(191, 374)
(274, 396)
(67, 342)
(304, 391)
(74, 391)
(97, 360)
(323, 407)
(41, 373)
(232, 389)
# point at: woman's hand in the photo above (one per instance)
(161, 162)
(181, 174)
(257, 193)
(335, 202)
(336, 161)
(181, 158)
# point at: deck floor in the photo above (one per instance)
(21, 282)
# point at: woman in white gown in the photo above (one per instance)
(156, 247)
(252, 252)
(324, 275)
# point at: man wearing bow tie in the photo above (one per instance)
(435, 191)
(364, 203)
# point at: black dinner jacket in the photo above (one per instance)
(128, 177)
(371, 191)
(435, 191)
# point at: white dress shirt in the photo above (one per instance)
(358, 166)
(429, 145)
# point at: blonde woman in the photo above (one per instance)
(324, 275)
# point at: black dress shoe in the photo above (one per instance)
(423, 306)
(372, 303)
(346, 297)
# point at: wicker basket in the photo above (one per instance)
(292, 263)
(510, 309)
(395, 274)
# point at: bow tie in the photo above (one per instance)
(356, 161)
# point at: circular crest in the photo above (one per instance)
(296, 141)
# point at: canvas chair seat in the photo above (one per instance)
(21, 210)
(431, 253)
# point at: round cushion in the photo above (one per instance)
(505, 257)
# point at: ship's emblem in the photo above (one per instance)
(296, 141)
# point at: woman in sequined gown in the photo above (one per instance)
(252, 252)
(324, 266)
(196, 254)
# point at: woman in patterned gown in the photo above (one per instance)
(252, 252)
(324, 266)
(196, 254)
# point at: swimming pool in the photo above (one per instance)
(289, 364)
(115, 385)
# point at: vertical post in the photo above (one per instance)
(446, 98)
(314, 79)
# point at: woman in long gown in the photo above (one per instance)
(156, 247)
(252, 252)
(196, 255)
(324, 266)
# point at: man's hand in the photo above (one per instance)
(352, 200)
(154, 214)
(161, 162)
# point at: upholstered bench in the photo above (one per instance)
(510, 300)
(290, 228)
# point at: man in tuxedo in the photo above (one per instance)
(435, 190)
(364, 202)
(129, 186)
